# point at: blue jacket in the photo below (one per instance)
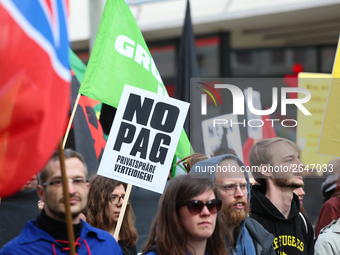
(33, 240)
(244, 243)
(261, 238)
(253, 239)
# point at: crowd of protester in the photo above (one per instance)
(201, 213)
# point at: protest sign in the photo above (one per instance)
(309, 128)
(143, 139)
(220, 133)
(120, 56)
(254, 131)
(329, 142)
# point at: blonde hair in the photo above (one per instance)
(260, 154)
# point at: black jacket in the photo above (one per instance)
(293, 235)
(127, 250)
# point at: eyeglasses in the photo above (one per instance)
(196, 206)
(57, 183)
(115, 199)
(230, 189)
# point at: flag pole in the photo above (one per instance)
(69, 224)
(71, 119)
(122, 212)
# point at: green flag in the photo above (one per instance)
(79, 68)
(120, 56)
(77, 65)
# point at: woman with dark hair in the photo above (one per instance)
(103, 208)
(187, 221)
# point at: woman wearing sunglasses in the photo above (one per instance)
(186, 221)
(105, 201)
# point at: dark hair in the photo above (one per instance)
(98, 213)
(167, 232)
(68, 153)
(260, 154)
(334, 192)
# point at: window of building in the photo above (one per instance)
(272, 62)
(327, 59)
(207, 56)
(277, 56)
(164, 57)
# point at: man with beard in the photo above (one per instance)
(48, 234)
(245, 236)
(276, 166)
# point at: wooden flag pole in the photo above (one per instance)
(71, 119)
(69, 224)
(122, 212)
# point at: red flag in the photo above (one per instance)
(34, 87)
(268, 131)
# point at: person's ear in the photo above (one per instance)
(41, 192)
(265, 170)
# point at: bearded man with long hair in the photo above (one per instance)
(243, 235)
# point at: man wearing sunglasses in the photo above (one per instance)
(48, 234)
(245, 235)
(277, 168)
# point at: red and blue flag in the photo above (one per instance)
(34, 87)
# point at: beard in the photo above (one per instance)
(62, 216)
(286, 183)
(59, 212)
(234, 217)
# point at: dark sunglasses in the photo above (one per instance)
(196, 206)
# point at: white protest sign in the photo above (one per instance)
(222, 131)
(143, 139)
(254, 130)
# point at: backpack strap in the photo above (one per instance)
(304, 221)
